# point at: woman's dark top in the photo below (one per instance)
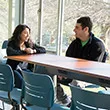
(13, 49)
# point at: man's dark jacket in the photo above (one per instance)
(94, 49)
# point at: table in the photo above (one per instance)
(90, 71)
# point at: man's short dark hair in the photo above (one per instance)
(85, 22)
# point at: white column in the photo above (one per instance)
(40, 20)
(60, 26)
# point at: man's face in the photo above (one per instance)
(79, 32)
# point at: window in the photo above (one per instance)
(41, 16)
(49, 24)
(32, 17)
(97, 10)
(3, 20)
(44, 18)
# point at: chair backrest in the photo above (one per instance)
(87, 100)
(4, 45)
(6, 78)
(38, 89)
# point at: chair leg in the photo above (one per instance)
(3, 105)
(23, 107)
(17, 107)
(14, 103)
(48, 108)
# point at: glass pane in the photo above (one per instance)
(3, 21)
(98, 10)
(31, 17)
(50, 17)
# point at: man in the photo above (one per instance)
(86, 45)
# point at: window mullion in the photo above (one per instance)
(40, 20)
(60, 26)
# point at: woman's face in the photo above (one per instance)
(25, 35)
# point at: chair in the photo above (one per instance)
(4, 45)
(38, 92)
(87, 100)
(8, 93)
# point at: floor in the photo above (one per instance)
(7, 107)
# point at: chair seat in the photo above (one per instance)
(54, 107)
(15, 94)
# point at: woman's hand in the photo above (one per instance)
(30, 51)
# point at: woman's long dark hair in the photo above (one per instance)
(17, 33)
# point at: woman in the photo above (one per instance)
(21, 44)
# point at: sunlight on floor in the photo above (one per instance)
(7, 106)
(67, 90)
